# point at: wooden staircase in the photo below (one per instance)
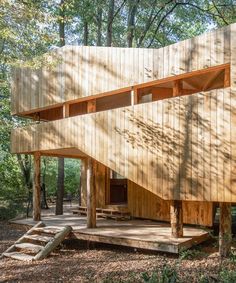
(37, 243)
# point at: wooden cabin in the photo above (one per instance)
(155, 128)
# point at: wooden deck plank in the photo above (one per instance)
(144, 234)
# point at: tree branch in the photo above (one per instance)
(161, 21)
(151, 21)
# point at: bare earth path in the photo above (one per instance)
(76, 262)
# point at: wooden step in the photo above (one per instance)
(19, 256)
(39, 238)
(30, 247)
(47, 230)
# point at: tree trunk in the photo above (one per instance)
(25, 166)
(110, 21)
(60, 187)
(85, 37)
(176, 218)
(91, 195)
(62, 23)
(37, 189)
(60, 177)
(99, 25)
(131, 21)
(83, 182)
(225, 233)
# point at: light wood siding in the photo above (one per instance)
(86, 71)
(178, 148)
(144, 204)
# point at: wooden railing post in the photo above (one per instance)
(176, 218)
(225, 233)
(36, 188)
(91, 195)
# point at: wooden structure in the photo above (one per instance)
(37, 243)
(143, 234)
(154, 127)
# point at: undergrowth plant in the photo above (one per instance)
(166, 275)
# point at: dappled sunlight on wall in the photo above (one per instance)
(176, 148)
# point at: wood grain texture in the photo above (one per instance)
(83, 71)
(186, 138)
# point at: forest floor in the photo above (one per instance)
(76, 262)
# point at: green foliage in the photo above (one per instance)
(166, 275)
(191, 254)
(233, 256)
(227, 276)
(72, 175)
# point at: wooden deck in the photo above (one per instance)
(143, 234)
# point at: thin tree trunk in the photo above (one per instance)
(62, 23)
(60, 187)
(131, 21)
(86, 31)
(99, 25)
(25, 165)
(37, 189)
(60, 177)
(110, 21)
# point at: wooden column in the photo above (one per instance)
(36, 188)
(227, 77)
(134, 96)
(66, 110)
(176, 218)
(91, 106)
(91, 195)
(225, 233)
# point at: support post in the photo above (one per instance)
(225, 233)
(176, 218)
(91, 106)
(134, 96)
(91, 195)
(36, 188)
(66, 110)
(227, 77)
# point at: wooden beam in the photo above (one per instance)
(225, 233)
(91, 106)
(176, 218)
(91, 195)
(36, 188)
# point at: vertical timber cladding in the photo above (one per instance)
(77, 72)
(141, 143)
(144, 204)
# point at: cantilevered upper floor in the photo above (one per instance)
(78, 75)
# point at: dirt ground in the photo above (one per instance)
(77, 262)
